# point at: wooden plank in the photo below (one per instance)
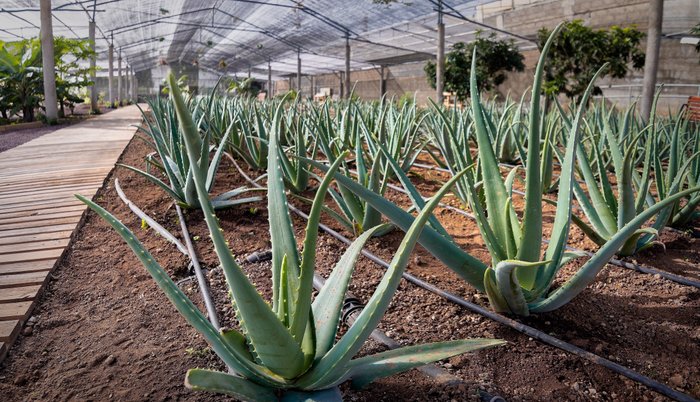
(31, 256)
(19, 294)
(27, 266)
(44, 212)
(40, 223)
(37, 230)
(44, 194)
(20, 280)
(41, 217)
(15, 311)
(50, 204)
(9, 330)
(16, 190)
(33, 246)
(30, 238)
(3, 350)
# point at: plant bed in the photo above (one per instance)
(103, 329)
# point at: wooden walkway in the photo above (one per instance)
(38, 211)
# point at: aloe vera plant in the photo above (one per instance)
(607, 212)
(290, 350)
(176, 165)
(519, 279)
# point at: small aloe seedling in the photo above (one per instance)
(290, 350)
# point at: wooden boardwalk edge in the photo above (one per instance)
(33, 236)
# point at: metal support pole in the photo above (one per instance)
(382, 82)
(111, 74)
(347, 67)
(269, 80)
(119, 78)
(134, 86)
(47, 62)
(651, 63)
(313, 86)
(440, 66)
(341, 84)
(299, 71)
(93, 63)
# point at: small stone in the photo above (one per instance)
(110, 360)
(576, 386)
(592, 391)
(677, 380)
(27, 331)
(20, 381)
(418, 261)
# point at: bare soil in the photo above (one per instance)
(103, 330)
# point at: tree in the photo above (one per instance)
(495, 59)
(21, 83)
(696, 31)
(71, 75)
(21, 79)
(579, 51)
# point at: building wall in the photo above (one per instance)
(678, 63)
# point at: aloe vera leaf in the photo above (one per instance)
(233, 357)
(365, 370)
(562, 218)
(222, 383)
(465, 265)
(627, 210)
(330, 367)
(587, 273)
(494, 188)
(412, 192)
(497, 302)
(327, 306)
(301, 310)
(529, 247)
(214, 165)
(281, 229)
(274, 345)
(177, 197)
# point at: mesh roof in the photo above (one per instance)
(238, 36)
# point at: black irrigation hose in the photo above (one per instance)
(520, 327)
(614, 261)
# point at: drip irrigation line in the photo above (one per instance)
(614, 261)
(189, 251)
(534, 333)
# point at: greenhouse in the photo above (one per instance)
(379, 200)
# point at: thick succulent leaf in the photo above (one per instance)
(222, 383)
(412, 191)
(300, 315)
(331, 366)
(465, 265)
(529, 246)
(273, 344)
(327, 306)
(233, 357)
(579, 281)
(177, 197)
(494, 188)
(368, 369)
(281, 229)
(510, 288)
(562, 218)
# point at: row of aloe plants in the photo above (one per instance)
(622, 172)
